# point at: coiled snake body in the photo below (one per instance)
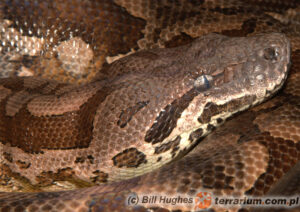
(150, 107)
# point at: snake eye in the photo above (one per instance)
(271, 54)
(203, 82)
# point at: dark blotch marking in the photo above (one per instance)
(27, 60)
(247, 28)
(23, 164)
(8, 157)
(101, 177)
(219, 120)
(47, 178)
(82, 159)
(210, 127)
(127, 114)
(167, 146)
(7, 174)
(91, 159)
(167, 119)
(159, 159)
(211, 109)
(79, 160)
(130, 158)
(195, 135)
(70, 130)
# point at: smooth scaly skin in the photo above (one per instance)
(148, 181)
(120, 128)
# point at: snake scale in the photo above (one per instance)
(104, 99)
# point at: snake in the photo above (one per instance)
(100, 100)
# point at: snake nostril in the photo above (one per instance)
(271, 54)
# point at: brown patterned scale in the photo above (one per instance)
(121, 126)
(148, 108)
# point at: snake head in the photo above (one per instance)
(256, 65)
(172, 97)
(219, 76)
(228, 68)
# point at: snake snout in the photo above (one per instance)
(270, 69)
(276, 48)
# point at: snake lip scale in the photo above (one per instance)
(161, 119)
